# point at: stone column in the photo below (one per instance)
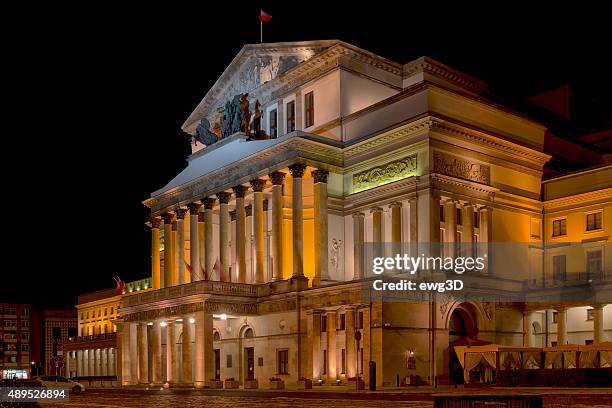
(209, 251)
(170, 345)
(396, 225)
(467, 236)
(331, 345)
(233, 240)
(297, 171)
(109, 361)
(320, 226)
(258, 229)
(277, 224)
(175, 258)
(103, 361)
(97, 359)
(92, 362)
(561, 326)
(250, 276)
(240, 192)
(351, 350)
(86, 363)
(358, 245)
(224, 220)
(134, 352)
(123, 357)
(377, 233)
(598, 332)
(313, 333)
(204, 360)
(180, 245)
(486, 236)
(186, 351)
(194, 242)
(202, 247)
(143, 354)
(79, 356)
(156, 363)
(413, 212)
(168, 253)
(526, 331)
(155, 260)
(450, 233)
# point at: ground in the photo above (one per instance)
(402, 398)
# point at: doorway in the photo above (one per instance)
(217, 364)
(250, 362)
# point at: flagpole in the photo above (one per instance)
(260, 27)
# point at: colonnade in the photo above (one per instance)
(92, 362)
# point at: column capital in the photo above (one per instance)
(155, 222)
(597, 306)
(485, 208)
(240, 191)
(395, 204)
(209, 202)
(232, 215)
(194, 208)
(174, 225)
(375, 210)
(168, 217)
(201, 217)
(265, 204)
(248, 210)
(276, 177)
(258, 185)
(319, 175)
(180, 213)
(224, 197)
(297, 170)
(358, 215)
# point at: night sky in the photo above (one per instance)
(97, 98)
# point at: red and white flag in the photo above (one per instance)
(264, 17)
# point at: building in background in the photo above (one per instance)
(51, 329)
(92, 353)
(14, 340)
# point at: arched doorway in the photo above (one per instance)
(462, 331)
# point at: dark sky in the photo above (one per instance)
(97, 97)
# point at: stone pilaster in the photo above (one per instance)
(297, 171)
(313, 333)
(170, 352)
(186, 352)
(358, 245)
(156, 362)
(320, 226)
(194, 242)
(155, 258)
(351, 350)
(143, 354)
(450, 232)
(204, 354)
(168, 253)
(598, 332)
(277, 178)
(180, 245)
(258, 229)
(332, 372)
(561, 326)
(209, 251)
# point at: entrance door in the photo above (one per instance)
(217, 364)
(250, 366)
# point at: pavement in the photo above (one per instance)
(324, 396)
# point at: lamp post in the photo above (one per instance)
(357, 339)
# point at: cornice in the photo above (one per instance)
(578, 199)
(426, 65)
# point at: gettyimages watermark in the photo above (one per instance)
(507, 272)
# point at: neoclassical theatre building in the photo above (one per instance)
(305, 152)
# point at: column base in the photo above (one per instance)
(200, 384)
(298, 283)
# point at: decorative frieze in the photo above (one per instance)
(385, 174)
(461, 168)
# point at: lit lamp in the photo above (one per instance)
(410, 360)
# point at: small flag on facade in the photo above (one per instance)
(264, 17)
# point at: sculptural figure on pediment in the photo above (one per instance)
(246, 113)
(256, 126)
(203, 133)
(232, 117)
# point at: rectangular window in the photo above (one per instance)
(590, 314)
(323, 324)
(283, 361)
(309, 109)
(72, 332)
(360, 322)
(459, 216)
(57, 332)
(559, 227)
(290, 116)
(593, 221)
(342, 322)
(25, 347)
(228, 361)
(25, 336)
(442, 213)
(594, 262)
(105, 311)
(343, 366)
(476, 220)
(554, 317)
(559, 265)
(324, 371)
(25, 323)
(273, 122)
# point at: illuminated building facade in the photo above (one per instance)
(14, 340)
(259, 260)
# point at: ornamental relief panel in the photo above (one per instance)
(457, 167)
(385, 174)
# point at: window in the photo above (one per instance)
(25, 347)
(216, 336)
(594, 264)
(309, 109)
(342, 322)
(324, 371)
(283, 361)
(273, 122)
(343, 366)
(360, 321)
(25, 336)
(459, 216)
(554, 317)
(593, 221)
(72, 332)
(476, 220)
(248, 333)
(57, 332)
(25, 312)
(228, 361)
(25, 324)
(112, 310)
(290, 116)
(559, 227)
(590, 315)
(105, 311)
(82, 316)
(442, 213)
(323, 324)
(559, 265)
(10, 324)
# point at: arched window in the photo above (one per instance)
(248, 333)
(216, 336)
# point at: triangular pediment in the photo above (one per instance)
(255, 65)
